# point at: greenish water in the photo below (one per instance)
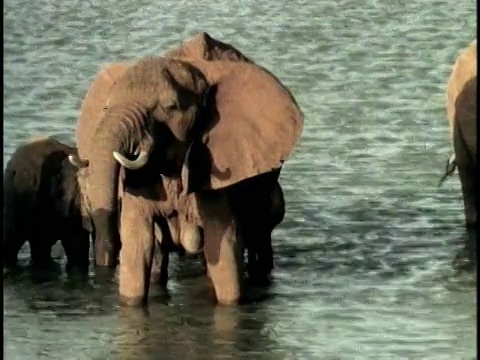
(366, 257)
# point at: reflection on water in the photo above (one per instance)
(371, 260)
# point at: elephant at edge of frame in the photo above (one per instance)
(461, 104)
(184, 131)
(43, 205)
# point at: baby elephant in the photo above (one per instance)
(43, 204)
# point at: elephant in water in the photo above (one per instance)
(43, 205)
(187, 132)
(462, 121)
(201, 46)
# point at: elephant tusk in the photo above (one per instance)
(136, 164)
(77, 162)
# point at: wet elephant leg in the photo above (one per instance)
(223, 248)
(469, 190)
(264, 251)
(41, 251)
(136, 254)
(11, 248)
(465, 153)
(161, 260)
(267, 210)
(273, 215)
(76, 246)
(13, 238)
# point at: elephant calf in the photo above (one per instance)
(462, 120)
(42, 205)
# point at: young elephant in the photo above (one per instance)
(462, 120)
(42, 205)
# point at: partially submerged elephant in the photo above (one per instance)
(186, 132)
(43, 205)
(462, 120)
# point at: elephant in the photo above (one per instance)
(42, 205)
(185, 132)
(461, 104)
(200, 46)
(268, 202)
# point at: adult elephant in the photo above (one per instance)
(462, 121)
(266, 195)
(106, 236)
(197, 127)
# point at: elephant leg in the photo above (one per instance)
(268, 210)
(260, 252)
(41, 252)
(137, 251)
(264, 263)
(161, 260)
(13, 237)
(275, 213)
(466, 161)
(76, 246)
(223, 248)
(469, 190)
(11, 247)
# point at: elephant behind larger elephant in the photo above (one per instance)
(184, 130)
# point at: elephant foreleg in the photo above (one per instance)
(136, 254)
(223, 249)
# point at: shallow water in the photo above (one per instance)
(370, 259)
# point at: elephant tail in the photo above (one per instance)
(450, 167)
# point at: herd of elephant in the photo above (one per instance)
(182, 152)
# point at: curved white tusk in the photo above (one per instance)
(136, 164)
(77, 162)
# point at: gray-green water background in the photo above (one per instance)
(364, 258)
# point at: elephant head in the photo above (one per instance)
(153, 94)
(203, 46)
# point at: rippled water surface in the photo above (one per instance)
(370, 259)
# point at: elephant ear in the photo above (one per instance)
(203, 46)
(252, 126)
(95, 102)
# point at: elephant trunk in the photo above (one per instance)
(121, 132)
